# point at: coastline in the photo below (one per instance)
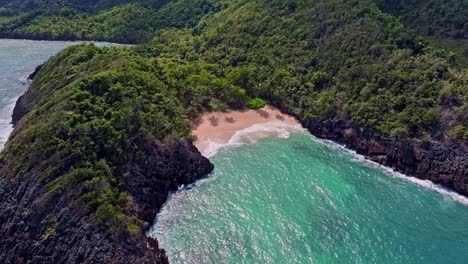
(148, 186)
(65, 39)
(215, 130)
(442, 163)
(427, 184)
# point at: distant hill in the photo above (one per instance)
(115, 21)
(84, 5)
(437, 18)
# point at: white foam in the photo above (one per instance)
(272, 129)
(5, 122)
(281, 129)
(445, 192)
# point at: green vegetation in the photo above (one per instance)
(445, 23)
(50, 231)
(436, 18)
(132, 23)
(458, 46)
(256, 103)
(322, 60)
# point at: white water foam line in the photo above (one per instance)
(252, 134)
(445, 192)
(5, 122)
(280, 129)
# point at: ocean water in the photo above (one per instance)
(297, 199)
(18, 59)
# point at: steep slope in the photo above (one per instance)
(444, 23)
(92, 160)
(85, 5)
(101, 20)
(432, 18)
(352, 74)
(102, 135)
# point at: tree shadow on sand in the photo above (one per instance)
(196, 122)
(263, 113)
(279, 117)
(214, 121)
(230, 119)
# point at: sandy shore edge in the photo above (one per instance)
(219, 127)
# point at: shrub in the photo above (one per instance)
(256, 103)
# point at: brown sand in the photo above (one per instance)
(221, 126)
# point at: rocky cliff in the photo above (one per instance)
(85, 187)
(443, 163)
(39, 229)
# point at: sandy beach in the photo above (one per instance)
(219, 127)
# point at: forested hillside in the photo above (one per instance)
(444, 23)
(436, 18)
(18, 6)
(131, 23)
(104, 131)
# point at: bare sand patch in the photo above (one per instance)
(219, 127)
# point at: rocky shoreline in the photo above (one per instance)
(40, 229)
(440, 162)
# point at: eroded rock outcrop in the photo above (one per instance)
(60, 230)
(56, 205)
(444, 163)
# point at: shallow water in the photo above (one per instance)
(300, 200)
(18, 59)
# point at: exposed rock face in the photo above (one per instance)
(21, 109)
(26, 102)
(35, 72)
(444, 163)
(59, 230)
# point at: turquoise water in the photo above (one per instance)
(19, 58)
(299, 200)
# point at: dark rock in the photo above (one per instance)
(59, 230)
(444, 163)
(19, 111)
(35, 72)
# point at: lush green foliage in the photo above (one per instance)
(256, 103)
(448, 18)
(444, 22)
(335, 59)
(326, 60)
(95, 107)
(132, 23)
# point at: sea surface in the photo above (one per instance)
(18, 59)
(298, 199)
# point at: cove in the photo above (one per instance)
(298, 200)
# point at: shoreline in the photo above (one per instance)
(65, 40)
(391, 172)
(215, 130)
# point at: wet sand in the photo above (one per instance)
(220, 127)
